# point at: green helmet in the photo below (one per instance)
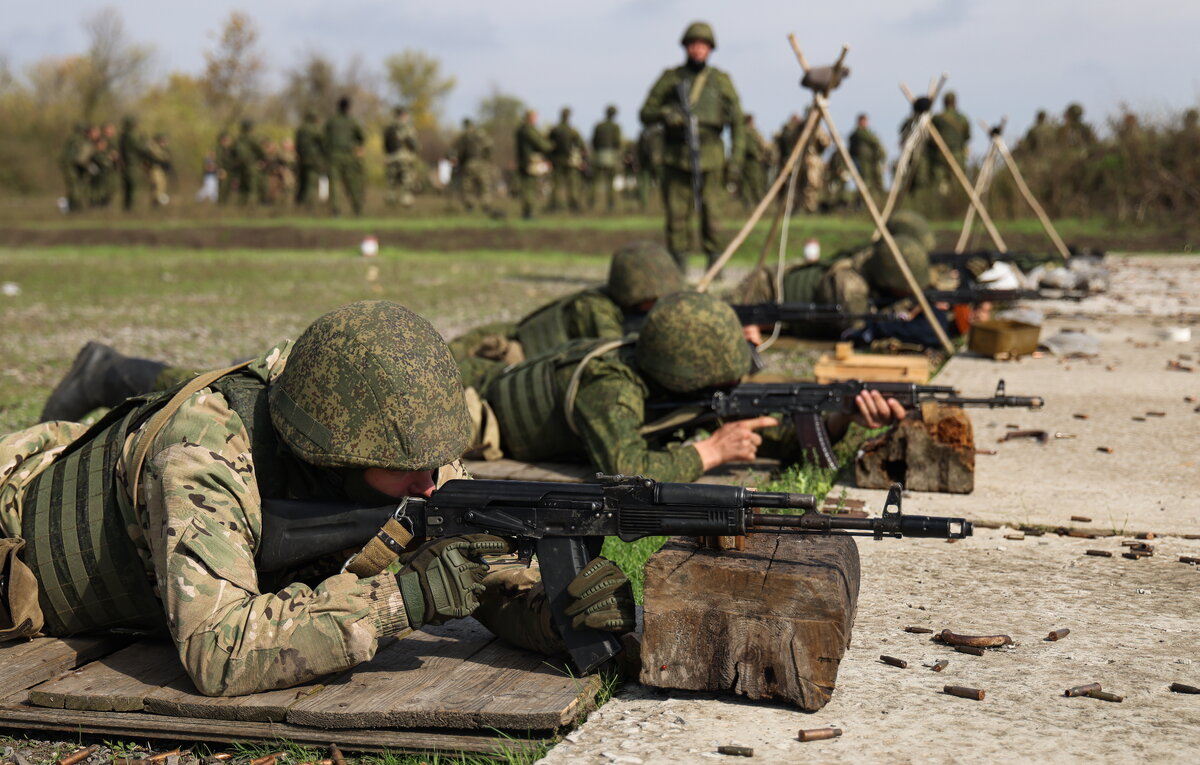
(881, 270)
(371, 384)
(950, 100)
(642, 271)
(1074, 111)
(913, 224)
(699, 30)
(692, 341)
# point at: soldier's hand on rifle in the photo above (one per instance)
(673, 117)
(733, 442)
(875, 411)
(753, 334)
(443, 579)
(602, 598)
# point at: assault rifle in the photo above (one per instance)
(804, 403)
(692, 130)
(565, 526)
(977, 295)
(770, 313)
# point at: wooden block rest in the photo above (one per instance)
(769, 623)
(872, 367)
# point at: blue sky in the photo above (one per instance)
(1004, 58)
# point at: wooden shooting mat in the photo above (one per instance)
(452, 688)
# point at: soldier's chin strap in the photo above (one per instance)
(384, 548)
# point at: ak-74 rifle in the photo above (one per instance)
(804, 403)
(770, 313)
(564, 525)
(692, 131)
(977, 295)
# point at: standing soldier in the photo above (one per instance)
(754, 165)
(649, 162)
(401, 147)
(106, 161)
(569, 156)
(473, 152)
(344, 140)
(73, 164)
(955, 130)
(134, 156)
(226, 163)
(310, 159)
(713, 101)
(532, 148)
(248, 161)
(606, 154)
(1075, 135)
(812, 166)
(159, 155)
(867, 152)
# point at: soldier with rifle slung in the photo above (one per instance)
(695, 101)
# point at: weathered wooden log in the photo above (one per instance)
(935, 452)
(769, 623)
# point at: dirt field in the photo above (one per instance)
(1134, 625)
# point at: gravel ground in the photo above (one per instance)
(1133, 622)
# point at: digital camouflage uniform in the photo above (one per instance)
(715, 103)
(868, 154)
(568, 157)
(649, 162)
(473, 150)
(606, 156)
(532, 148)
(310, 159)
(73, 172)
(193, 531)
(344, 140)
(401, 148)
(639, 274)
(689, 342)
(811, 165)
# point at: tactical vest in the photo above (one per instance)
(529, 403)
(80, 547)
(800, 283)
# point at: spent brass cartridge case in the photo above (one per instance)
(893, 661)
(964, 693)
(1082, 690)
(819, 734)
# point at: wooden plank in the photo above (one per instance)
(180, 698)
(364, 699)
(873, 367)
(460, 677)
(769, 623)
(27, 663)
(117, 683)
(142, 725)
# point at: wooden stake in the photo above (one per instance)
(909, 148)
(966, 185)
(1029, 198)
(801, 144)
(982, 181)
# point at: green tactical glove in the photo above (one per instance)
(673, 117)
(443, 579)
(602, 598)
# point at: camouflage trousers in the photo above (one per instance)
(754, 182)
(476, 185)
(812, 180)
(568, 187)
(401, 180)
(527, 190)
(680, 205)
(603, 181)
(308, 177)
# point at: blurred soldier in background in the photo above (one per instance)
(247, 157)
(473, 153)
(72, 162)
(869, 156)
(310, 159)
(955, 130)
(226, 161)
(134, 158)
(401, 148)
(344, 141)
(606, 155)
(106, 161)
(754, 165)
(159, 153)
(649, 162)
(569, 156)
(532, 148)
(711, 97)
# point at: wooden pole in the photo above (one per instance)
(903, 164)
(1029, 198)
(801, 144)
(966, 185)
(982, 181)
(822, 106)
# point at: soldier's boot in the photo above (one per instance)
(100, 376)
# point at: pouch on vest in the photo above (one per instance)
(20, 614)
(545, 329)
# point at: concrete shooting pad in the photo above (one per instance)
(452, 688)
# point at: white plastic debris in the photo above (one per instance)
(1072, 344)
(10, 289)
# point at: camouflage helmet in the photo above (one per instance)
(692, 341)
(642, 271)
(699, 30)
(1074, 111)
(881, 270)
(610, 111)
(913, 224)
(371, 384)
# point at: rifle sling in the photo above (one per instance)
(698, 87)
(673, 419)
(577, 376)
(382, 551)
